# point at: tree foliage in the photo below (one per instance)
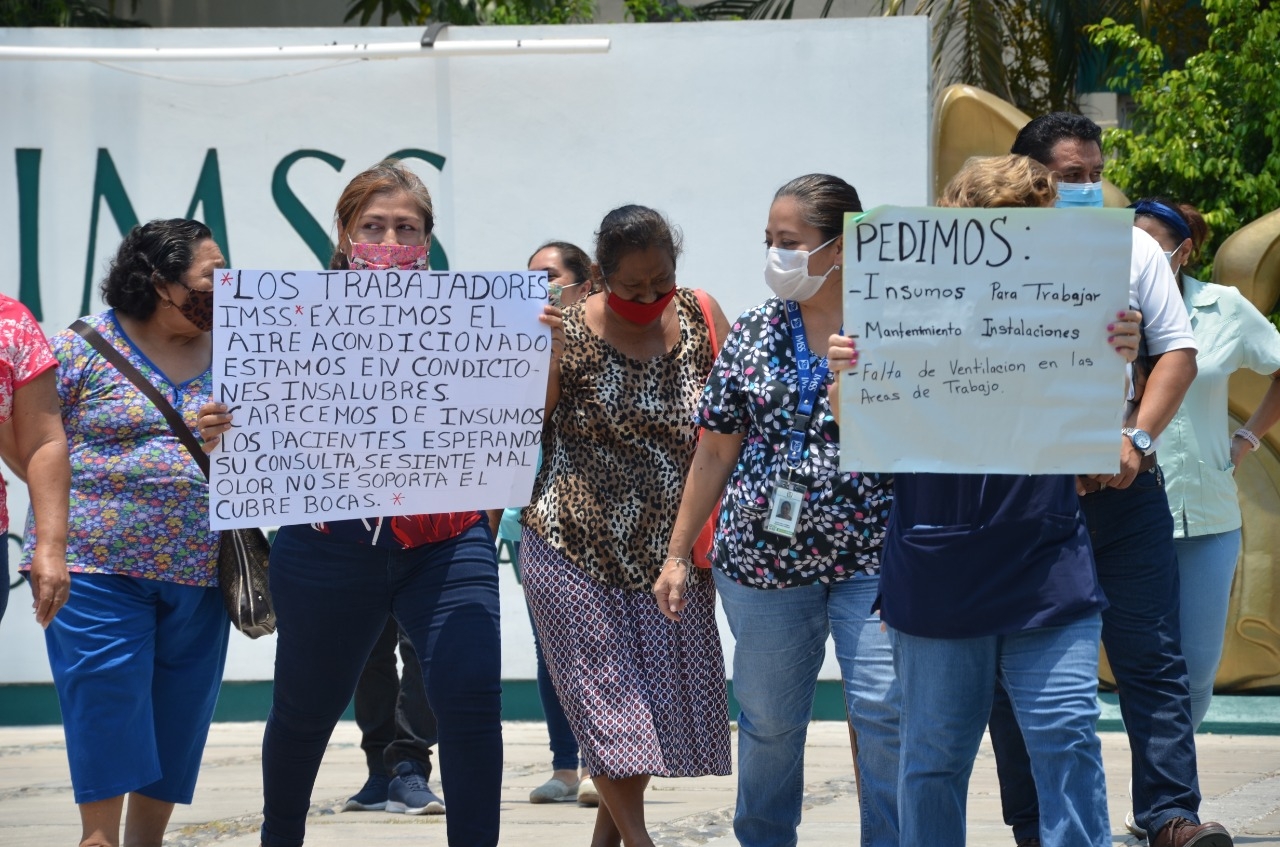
(22, 13)
(471, 12)
(1207, 133)
(1036, 53)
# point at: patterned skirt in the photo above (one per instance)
(644, 695)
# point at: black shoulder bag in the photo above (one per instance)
(242, 553)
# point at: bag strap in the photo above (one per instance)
(704, 301)
(126, 368)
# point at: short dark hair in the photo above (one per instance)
(576, 261)
(1038, 137)
(631, 228)
(154, 252)
(823, 200)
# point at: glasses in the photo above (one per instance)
(555, 291)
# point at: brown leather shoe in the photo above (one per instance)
(1181, 832)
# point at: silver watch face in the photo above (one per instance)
(1140, 439)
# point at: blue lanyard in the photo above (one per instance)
(809, 379)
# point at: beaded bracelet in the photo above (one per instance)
(1247, 436)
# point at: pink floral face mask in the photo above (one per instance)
(381, 257)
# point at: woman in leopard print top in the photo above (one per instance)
(644, 695)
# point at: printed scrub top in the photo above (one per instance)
(1195, 449)
(753, 390)
(139, 503)
(24, 355)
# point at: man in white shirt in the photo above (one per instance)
(1132, 535)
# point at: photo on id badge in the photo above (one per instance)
(784, 508)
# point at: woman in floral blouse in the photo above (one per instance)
(138, 650)
(789, 519)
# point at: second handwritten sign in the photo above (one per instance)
(982, 338)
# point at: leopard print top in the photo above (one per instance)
(620, 442)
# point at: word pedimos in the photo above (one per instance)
(982, 339)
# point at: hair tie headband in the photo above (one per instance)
(1170, 217)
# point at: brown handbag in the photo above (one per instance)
(242, 553)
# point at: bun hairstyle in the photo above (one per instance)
(823, 199)
(631, 228)
(389, 176)
(154, 253)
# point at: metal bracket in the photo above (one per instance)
(429, 37)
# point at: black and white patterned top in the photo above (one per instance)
(753, 390)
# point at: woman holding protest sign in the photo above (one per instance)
(137, 652)
(644, 696)
(791, 520)
(334, 584)
(1197, 458)
(990, 577)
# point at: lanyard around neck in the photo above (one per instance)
(809, 379)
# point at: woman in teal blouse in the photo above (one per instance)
(1197, 454)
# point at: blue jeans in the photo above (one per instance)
(780, 639)
(947, 686)
(1206, 565)
(1132, 535)
(331, 600)
(564, 746)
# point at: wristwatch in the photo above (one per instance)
(1141, 440)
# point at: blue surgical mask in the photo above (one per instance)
(1078, 195)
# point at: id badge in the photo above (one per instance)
(784, 508)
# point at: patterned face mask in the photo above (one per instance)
(198, 308)
(381, 257)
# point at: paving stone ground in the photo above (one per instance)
(1239, 775)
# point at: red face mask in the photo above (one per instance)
(640, 313)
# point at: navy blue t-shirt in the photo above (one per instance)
(968, 555)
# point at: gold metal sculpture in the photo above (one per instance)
(972, 122)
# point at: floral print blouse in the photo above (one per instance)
(753, 390)
(24, 355)
(139, 503)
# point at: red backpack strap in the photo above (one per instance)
(704, 300)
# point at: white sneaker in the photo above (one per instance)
(1129, 822)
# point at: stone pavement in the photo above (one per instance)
(1239, 774)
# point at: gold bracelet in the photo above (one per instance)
(681, 559)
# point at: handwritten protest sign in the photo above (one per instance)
(982, 339)
(370, 393)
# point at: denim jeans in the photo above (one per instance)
(331, 600)
(1206, 566)
(396, 724)
(1132, 535)
(564, 746)
(947, 688)
(780, 638)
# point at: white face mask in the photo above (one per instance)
(1168, 255)
(786, 272)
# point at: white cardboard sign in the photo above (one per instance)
(365, 393)
(982, 339)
